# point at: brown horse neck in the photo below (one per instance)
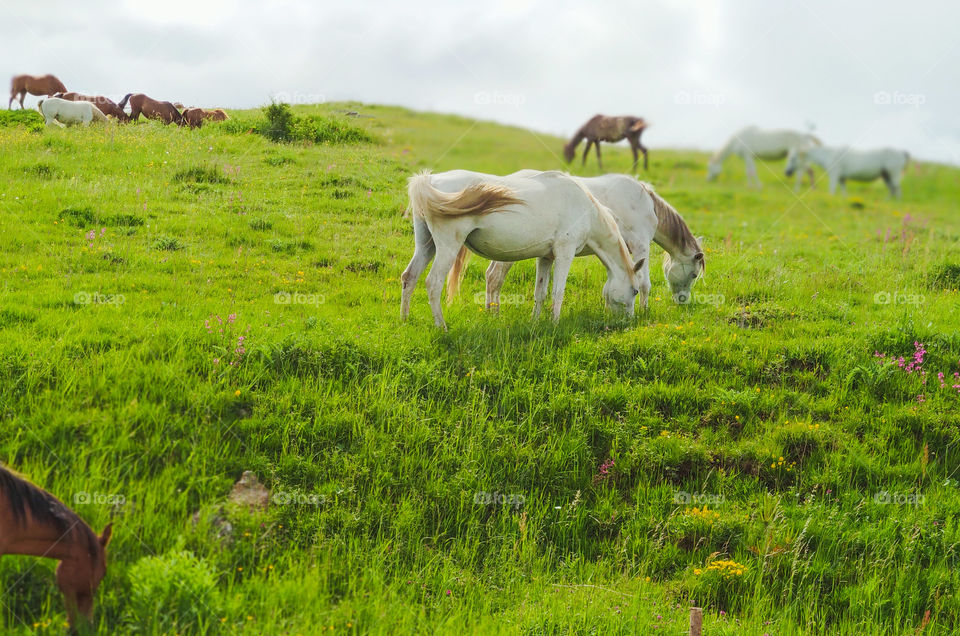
(44, 540)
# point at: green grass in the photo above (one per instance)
(135, 258)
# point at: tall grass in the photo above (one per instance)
(180, 306)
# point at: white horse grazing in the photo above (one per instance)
(63, 112)
(548, 216)
(642, 216)
(768, 145)
(841, 164)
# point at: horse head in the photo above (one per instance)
(796, 158)
(79, 578)
(681, 273)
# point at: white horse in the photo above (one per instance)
(63, 112)
(548, 216)
(841, 164)
(642, 216)
(768, 145)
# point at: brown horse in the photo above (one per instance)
(45, 85)
(217, 114)
(612, 129)
(193, 117)
(151, 109)
(34, 522)
(106, 105)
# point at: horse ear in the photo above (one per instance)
(639, 264)
(105, 536)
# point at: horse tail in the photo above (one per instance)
(123, 102)
(479, 198)
(455, 277)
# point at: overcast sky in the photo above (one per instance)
(861, 73)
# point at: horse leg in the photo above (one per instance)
(587, 150)
(643, 149)
(23, 96)
(543, 281)
(422, 255)
(843, 186)
(599, 162)
(812, 180)
(496, 274)
(751, 170)
(561, 268)
(633, 148)
(893, 184)
(446, 255)
(834, 181)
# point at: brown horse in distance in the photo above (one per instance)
(34, 522)
(45, 85)
(194, 117)
(106, 105)
(612, 129)
(151, 109)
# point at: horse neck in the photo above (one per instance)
(818, 155)
(576, 139)
(611, 250)
(672, 243)
(722, 154)
(44, 540)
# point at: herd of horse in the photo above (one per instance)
(65, 108)
(550, 216)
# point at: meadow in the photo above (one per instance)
(180, 306)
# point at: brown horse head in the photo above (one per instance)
(78, 579)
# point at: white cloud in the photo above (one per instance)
(697, 69)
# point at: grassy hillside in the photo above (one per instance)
(181, 306)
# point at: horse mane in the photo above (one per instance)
(23, 497)
(670, 222)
